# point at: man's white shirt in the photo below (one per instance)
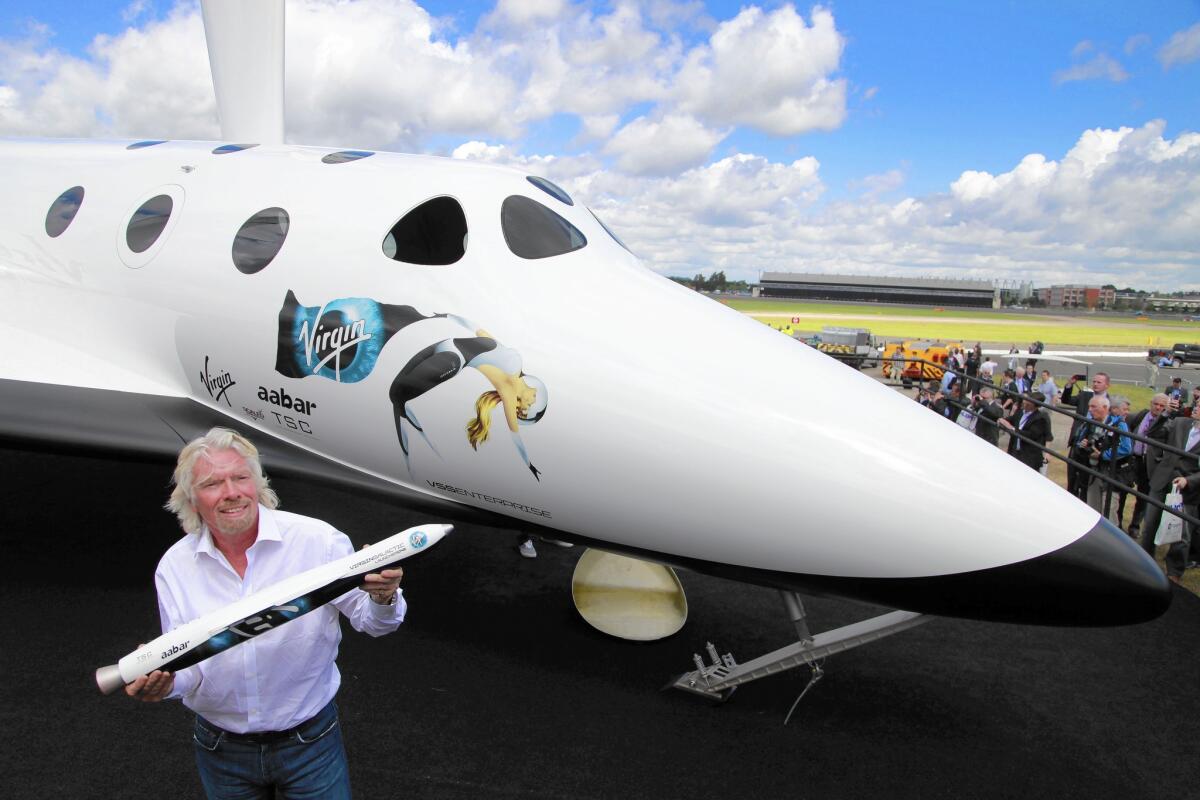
(284, 676)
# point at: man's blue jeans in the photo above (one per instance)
(309, 762)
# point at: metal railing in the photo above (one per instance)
(1112, 484)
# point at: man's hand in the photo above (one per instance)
(151, 688)
(382, 585)
(1179, 483)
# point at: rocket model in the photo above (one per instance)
(266, 610)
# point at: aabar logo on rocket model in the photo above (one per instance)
(280, 397)
(218, 385)
(177, 648)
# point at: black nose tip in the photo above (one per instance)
(1102, 578)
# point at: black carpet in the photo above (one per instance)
(495, 688)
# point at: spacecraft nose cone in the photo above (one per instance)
(1107, 577)
(1102, 578)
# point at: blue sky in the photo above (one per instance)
(931, 91)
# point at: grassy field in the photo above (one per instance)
(975, 325)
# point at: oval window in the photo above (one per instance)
(147, 143)
(148, 222)
(549, 188)
(63, 210)
(434, 233)
(231, 148)
(258, 240)
(533, 231)
(344, 156)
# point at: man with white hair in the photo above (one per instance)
(1085, 438)
(265, 716)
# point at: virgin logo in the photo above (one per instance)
(217, 385)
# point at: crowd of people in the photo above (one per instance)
(1103, 465)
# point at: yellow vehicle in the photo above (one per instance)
(924, 359)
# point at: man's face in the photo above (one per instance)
(1100, 384)
(1157, 407)
(1097, 409)
(1028, 405)
(226, 495)
(1045, 375)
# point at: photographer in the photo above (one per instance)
(1077, 480)
(988, 414)
(1083, 436)
(1112, 461)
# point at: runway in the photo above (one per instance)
(495, 688)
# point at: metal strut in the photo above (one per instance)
(718, 680)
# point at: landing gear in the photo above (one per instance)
(716, 681)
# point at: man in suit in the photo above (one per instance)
(1183, 433)
(1150, 423)
(988, 416)
(1077, 479)
(1031, 422)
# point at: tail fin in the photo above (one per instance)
(245, 54)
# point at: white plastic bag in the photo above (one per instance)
(1170, 529)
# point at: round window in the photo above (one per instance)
(148, 222)
(63, 210)
(258, 240)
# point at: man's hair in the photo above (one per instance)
(1104, 401)
(183, 496)
(1105, 374)
(1118, 400)
(1160, 398)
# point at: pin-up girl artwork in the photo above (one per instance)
(522, 397)
(342, 341)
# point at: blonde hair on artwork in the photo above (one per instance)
(478, 428)
(183, 497)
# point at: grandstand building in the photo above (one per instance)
(872, 289)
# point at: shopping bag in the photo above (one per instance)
(1170, 529)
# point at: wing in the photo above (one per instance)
(148, 427)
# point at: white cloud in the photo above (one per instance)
(145, 81)
(1120, 206)
(872, 186)
(134, 10)
(1100, 67)
(386, 74)
(596, 127)
(1136, 42)
(526, 12)
(1182, 48)
(662, 147)
(770, 71)
(378, 73)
